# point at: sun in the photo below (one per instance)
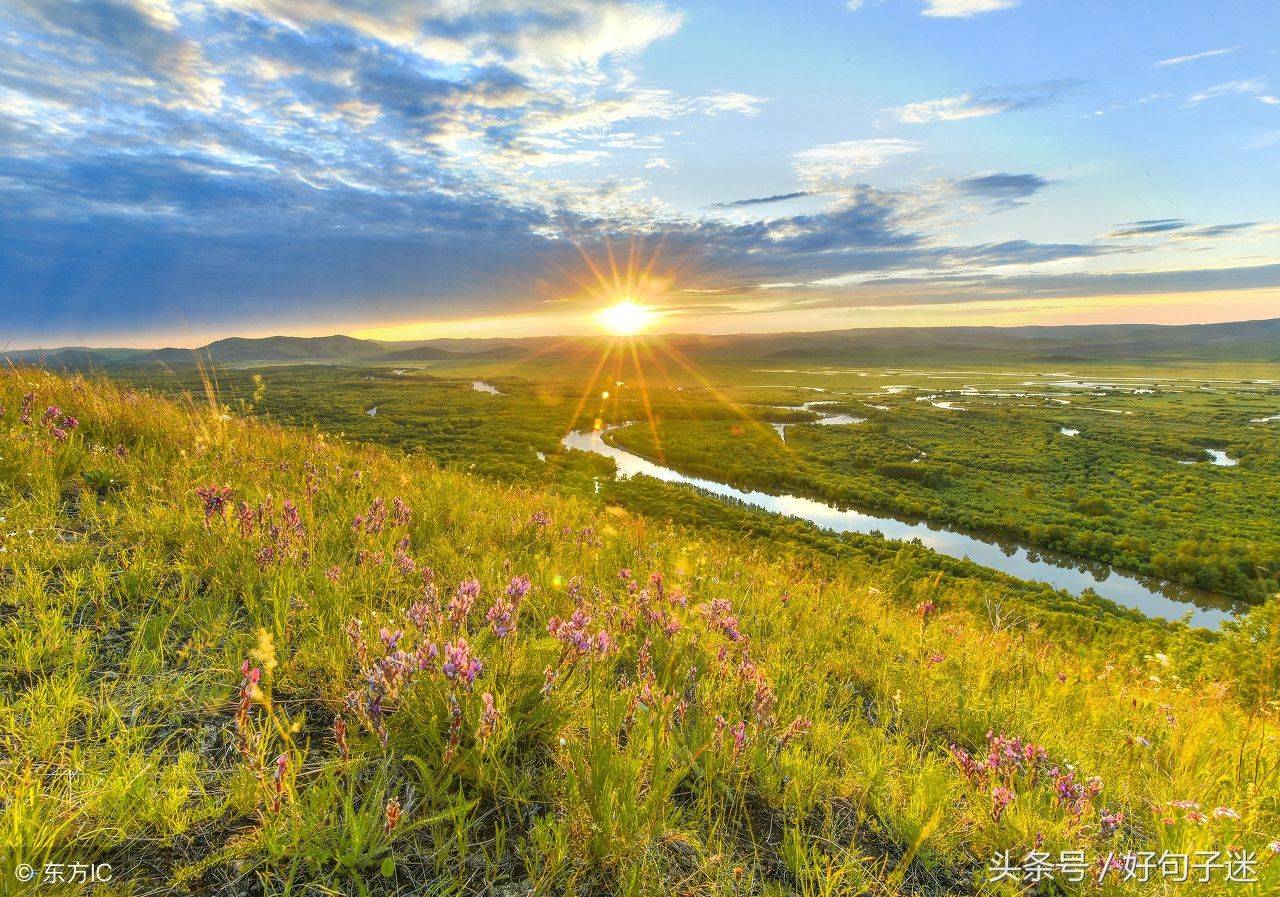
(626, 318)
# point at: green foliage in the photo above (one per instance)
(772, 709)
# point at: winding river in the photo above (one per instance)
(1154, 597)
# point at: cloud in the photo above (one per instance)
(761, 200)
(1253, 86)
(1146, 228)
(1179, 60)
(1214, 231)
(988, 101)
(229, 162)
(965, 8)
(1177, 229)
(1006, 190)
(552, 36)
(829, 166)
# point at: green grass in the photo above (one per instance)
(129, 603)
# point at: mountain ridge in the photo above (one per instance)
(1255, 341)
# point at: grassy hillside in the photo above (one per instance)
(239, 659)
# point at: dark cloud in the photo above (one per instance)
(761, 200)
(1146, 228)
(1002, 187)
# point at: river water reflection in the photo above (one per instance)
(1154, 597)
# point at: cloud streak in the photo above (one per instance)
(1195, 57)
(984, 102)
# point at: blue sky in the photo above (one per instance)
(173, 171)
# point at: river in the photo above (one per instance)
(1152, 596)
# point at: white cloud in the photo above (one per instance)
(954, 108)
(1218, 90)
(1269, 100)
(830, 165)
(556, 36)
(988, 101)
(658, 162)
(965, 8)
(1178, 60)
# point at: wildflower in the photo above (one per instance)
(427, 653)
(936, 658)
(1225, 813)
(28, 404)
(264, 556)
(739, 733)
(455, 728)
(282, 763)
(333, 574)
(1138, 739)
(355, 633)
(245, 518)
(719, 616)
(799, 726)
(488, 717)
(1196, 818)
(540, 518)
(518, 587)
(392, 815)
(215, 500)
(292, 517)
(340, 735)
(572, 632)
(407, 565)
(763, 701)
(1001, 797)
(969, 767)
(1184, 805)
(121, 452)
(248, 685)
(459, 665)
(464, 597)
(390, 638)
(420, 613)
(1274, 847)
(1110, 823)
(50, 413)
(402, 511)
(1062, 677)
(926, 609)
(501, 617)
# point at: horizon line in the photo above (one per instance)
(643, 336)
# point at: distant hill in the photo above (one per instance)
(418, 353)
(1246, 341)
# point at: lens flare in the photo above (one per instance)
(626, 318)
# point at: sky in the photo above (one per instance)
(176, 171)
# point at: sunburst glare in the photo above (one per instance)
(626, 318)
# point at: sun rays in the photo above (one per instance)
(626, 318)
(645, 369)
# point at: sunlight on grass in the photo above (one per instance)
(240, 654)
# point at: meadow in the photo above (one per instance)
(258, 641)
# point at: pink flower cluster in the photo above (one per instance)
(459, 665)
(215, 499)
